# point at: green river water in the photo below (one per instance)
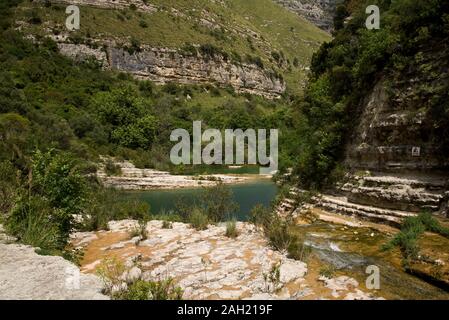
(246, 195)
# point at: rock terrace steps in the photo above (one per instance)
(343, 206)
(403, 193)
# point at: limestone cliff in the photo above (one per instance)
(163, 65)
(319, 12)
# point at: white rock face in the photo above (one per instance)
(25, 275)
(319, 12)
(133, 178)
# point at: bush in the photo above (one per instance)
(140, 230)
(152, 290)
(57, 191)
(33, 222)
(105, 205)
(9, 185)
(279, 234)
(327, 271)
(111, 272)
(167, 224)
(112, 169)
(261, 216)
(231, 229)
(198, 219)
(273, 278)
(143, 24)
(297, 250)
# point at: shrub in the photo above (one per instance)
(151, 290)
(105, 205)
(209, 50)
(34, 17)
(231, 229)
(218, 202)
(9, 181)
(143, 24)
(198, 219)
(167, 225)
(297, 250)
(32, 221)
(255, 60)
(261, 216)
(140, 230)
(57, 191)
(279, 234)
(112, 169)
(111, 272)
(273, 278)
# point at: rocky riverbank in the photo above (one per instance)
(132, 178)
(209, 265)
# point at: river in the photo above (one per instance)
(246, 195)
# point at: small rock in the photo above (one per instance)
(292, 270)
(133, 275)
(439, 262)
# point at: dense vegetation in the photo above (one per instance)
(57, 117)
(412, 43)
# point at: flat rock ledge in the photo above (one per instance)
(133, 178)
(207, 264)
(25, 275)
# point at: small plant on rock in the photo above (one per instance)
(140, 230)
(112, 169)
(198, 219)
(167, 225)
(273, 278)
(231, 229)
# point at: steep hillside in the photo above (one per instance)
(255, 47)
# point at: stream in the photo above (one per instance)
(351, 250)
